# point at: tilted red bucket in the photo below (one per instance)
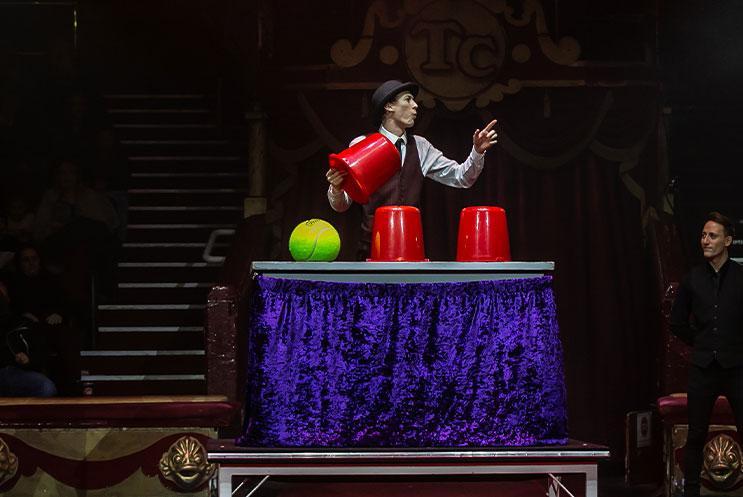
(397, 235)
(483, 235)
(369, 164)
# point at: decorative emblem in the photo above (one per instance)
(722, 462)
(8, 463)
(185, 464)
(455, 49)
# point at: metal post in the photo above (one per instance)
(256, 203)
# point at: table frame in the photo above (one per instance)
(576, 458)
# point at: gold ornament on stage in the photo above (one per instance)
(8, 463)
(722, 462)
(185, 464)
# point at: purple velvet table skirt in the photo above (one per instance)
(404, 365)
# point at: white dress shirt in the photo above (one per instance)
(433, 165)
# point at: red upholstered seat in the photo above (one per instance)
(672, 409)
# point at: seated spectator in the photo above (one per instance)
(22, 357)
(69, 203)
(34, 292)
(17, 219)
(36, 296)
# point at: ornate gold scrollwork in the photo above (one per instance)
(185, 464)
(8, 463)
(722, 462)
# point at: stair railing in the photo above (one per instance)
(207, 255)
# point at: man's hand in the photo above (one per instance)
(22, 358)
(335, 178)
(483, 140)
(54, 319)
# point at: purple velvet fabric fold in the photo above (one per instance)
(404, 365)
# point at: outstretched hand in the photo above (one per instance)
(335, 178)
(483, 140)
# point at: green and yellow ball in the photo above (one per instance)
(314, 240)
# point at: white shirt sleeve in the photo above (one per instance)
(447, 171)
(340, 202)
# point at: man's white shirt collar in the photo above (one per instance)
(393, 137)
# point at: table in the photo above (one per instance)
(403, 355)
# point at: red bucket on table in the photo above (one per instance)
(369, 164)
(483, 235)
(397, 235)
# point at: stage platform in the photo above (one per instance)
(251, 466)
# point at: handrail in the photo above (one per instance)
(207, 255)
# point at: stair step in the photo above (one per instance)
(180, 214)
(161, 116)
(175, 385)
(168, 131)
(179, 147)
(214, 180)
(143, 362)
(168, 271)
(149, 292)
(188, 251)
(110, 337)
(157, 100)
(186, 164)
(186, 196)
(190, 317)
(145, 233)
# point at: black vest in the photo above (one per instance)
(404, 188)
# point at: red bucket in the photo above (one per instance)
(397, 235)
(369, 164)
(483, 235)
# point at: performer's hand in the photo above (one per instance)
(483, 140)
(335, 178)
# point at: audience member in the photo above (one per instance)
(69, 208)
(75, 222)
(35, 295)
(34, 292)
(18, 219)
(22, 357)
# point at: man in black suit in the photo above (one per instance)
(708, 315)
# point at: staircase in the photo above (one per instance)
(186, 181)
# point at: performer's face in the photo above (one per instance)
(403, 109)
(713, 240)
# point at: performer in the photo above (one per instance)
(394, 111)
(708, 315)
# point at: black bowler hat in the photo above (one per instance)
(386, 92)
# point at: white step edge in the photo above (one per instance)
(158, 111)
(188, 190)
(185, 208)
(170, 245)
(150, 329)
(151, 307)
(167, 264)
(175, 226)
(165, 285)
(143, 377)
(140, 353)
(189, 175)
(164, 96)
(184, 158)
